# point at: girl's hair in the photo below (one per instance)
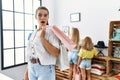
(44, 8)
(87, 43)
(75, 37)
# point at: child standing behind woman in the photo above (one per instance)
(73, 54)
(87, 52)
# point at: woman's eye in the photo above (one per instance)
(40, 15)
(45, 15)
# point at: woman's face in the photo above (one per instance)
(42, 17)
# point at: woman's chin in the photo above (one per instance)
(43, 24)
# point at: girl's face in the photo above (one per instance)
(42, 17)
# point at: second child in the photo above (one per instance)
(87, 52)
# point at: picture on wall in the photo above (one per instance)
(75, 17)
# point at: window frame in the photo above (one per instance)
(2, 35)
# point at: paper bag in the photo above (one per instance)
(78, 76)
(64, 39)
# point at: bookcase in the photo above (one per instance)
(113, 43)
(111, 63)
(104, 60)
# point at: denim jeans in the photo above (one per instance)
(41, 72)
(73, 56)
(85, 63)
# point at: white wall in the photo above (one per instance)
(95, 16)
(50, 5)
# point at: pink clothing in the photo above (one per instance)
(64, 39)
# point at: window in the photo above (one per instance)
(16, 22)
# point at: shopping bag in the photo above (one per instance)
(62, 60)
(78, 76)
(64, 39)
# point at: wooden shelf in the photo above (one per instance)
(107, 58)
(114, 40)
(115, 59)
(102, 57)
(101, 77)
(109, 61)
(112, 78)
(112, 44)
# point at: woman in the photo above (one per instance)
(44, 49)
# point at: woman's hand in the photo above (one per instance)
(42, 33)
(48, 46)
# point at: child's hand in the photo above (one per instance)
(78, 69)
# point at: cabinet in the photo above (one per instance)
(111, 63)
(105, 60)
(113, 44)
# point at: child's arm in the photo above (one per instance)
(96, 56)
(79, 61)
(96, 53)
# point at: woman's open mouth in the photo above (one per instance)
(42, 21)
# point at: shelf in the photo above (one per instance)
(112, 78)
(115, 59)
(102, 57)
(114, 40)
(111, 63)
(114, 62)
(108, 58)
(101, 77)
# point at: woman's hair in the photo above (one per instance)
(75, 37)
(44, 8)
(87, 43)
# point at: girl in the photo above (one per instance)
(72, 54)
(87, 52)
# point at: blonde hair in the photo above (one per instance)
(75, 37)
(87, 43)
